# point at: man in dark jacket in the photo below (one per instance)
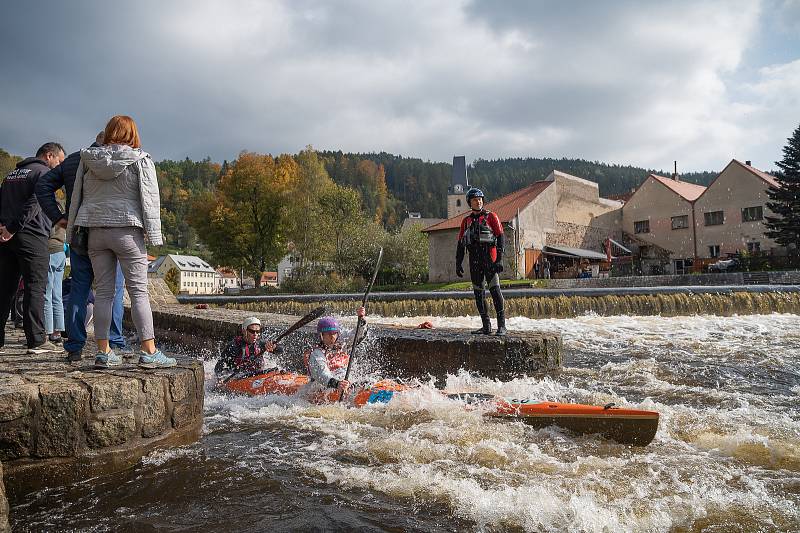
(24, 231)
(80, 266)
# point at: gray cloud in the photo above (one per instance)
(628, 82)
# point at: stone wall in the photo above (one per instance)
(60, 423)
(159, 293)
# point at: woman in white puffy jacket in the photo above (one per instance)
(116, 197)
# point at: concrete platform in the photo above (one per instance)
(404, 352)
(61, 422)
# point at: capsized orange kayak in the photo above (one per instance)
(634, 427)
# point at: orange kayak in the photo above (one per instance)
(634, 427)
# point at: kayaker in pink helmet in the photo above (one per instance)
(326, 361)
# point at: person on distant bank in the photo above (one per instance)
(326, 361)
(482, 236)
(245, 353)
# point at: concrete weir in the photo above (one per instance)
(402, 352)
(61, 422)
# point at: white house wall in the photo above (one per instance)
(653, 201)
(735, 188)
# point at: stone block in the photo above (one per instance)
(181, 384)
(154, 409)
(63, 414)
(16, 438)
(182, 415)
(17, 397)
(110, 430)
(111, 392)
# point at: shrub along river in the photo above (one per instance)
(726, 456)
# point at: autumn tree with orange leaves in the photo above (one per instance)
(243, 222)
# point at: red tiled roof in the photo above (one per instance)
(505, 207)
(686, 190)
(769, 178)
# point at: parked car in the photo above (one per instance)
(725, 265)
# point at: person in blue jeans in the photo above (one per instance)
(80, 265)
(80, 287)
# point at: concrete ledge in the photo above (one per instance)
(62, 422)
(405, 352)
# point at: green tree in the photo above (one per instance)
(405, 256)
(242, 222)
(785, 227)
(7, 163)
(173, 280)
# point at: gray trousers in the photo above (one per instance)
(126, 245)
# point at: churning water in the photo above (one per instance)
(726, 456)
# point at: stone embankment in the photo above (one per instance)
(403, 352)
(61, 422)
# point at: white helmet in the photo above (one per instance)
(249, 321)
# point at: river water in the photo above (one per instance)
(726, 456)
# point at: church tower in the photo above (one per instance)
(459, 185)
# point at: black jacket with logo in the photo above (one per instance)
(19, 208)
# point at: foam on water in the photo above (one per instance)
(726, 446)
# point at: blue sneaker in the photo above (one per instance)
(156, 360)
(105, 360)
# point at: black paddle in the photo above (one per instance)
(358, 322)
(313, 315)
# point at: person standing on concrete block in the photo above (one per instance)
(482, 236)
(81, 272)
(24, 231)
(116, 199)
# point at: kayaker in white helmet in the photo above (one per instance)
(246, 352)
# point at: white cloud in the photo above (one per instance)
(628, 82)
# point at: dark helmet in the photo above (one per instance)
(474, 193)
(327, 323)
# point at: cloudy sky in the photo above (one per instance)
(628, 82)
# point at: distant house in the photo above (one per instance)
(697, 224)
(660, 213)
(269, 278)
(195, 275)
(286, 266)
(227, 280)
(545, 218)
(730, 213)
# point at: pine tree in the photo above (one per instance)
(785, 227)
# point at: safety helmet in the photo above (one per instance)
(249, 321)
(474, 193)
(327, 323)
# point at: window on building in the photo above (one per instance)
(683, 266)
(641, 226)
(753, 247)
(458, 202)
(680, 222)
(750, 214)
(713, 250)
(714, 218)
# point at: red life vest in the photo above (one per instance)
(249, 359)
(335, 357)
